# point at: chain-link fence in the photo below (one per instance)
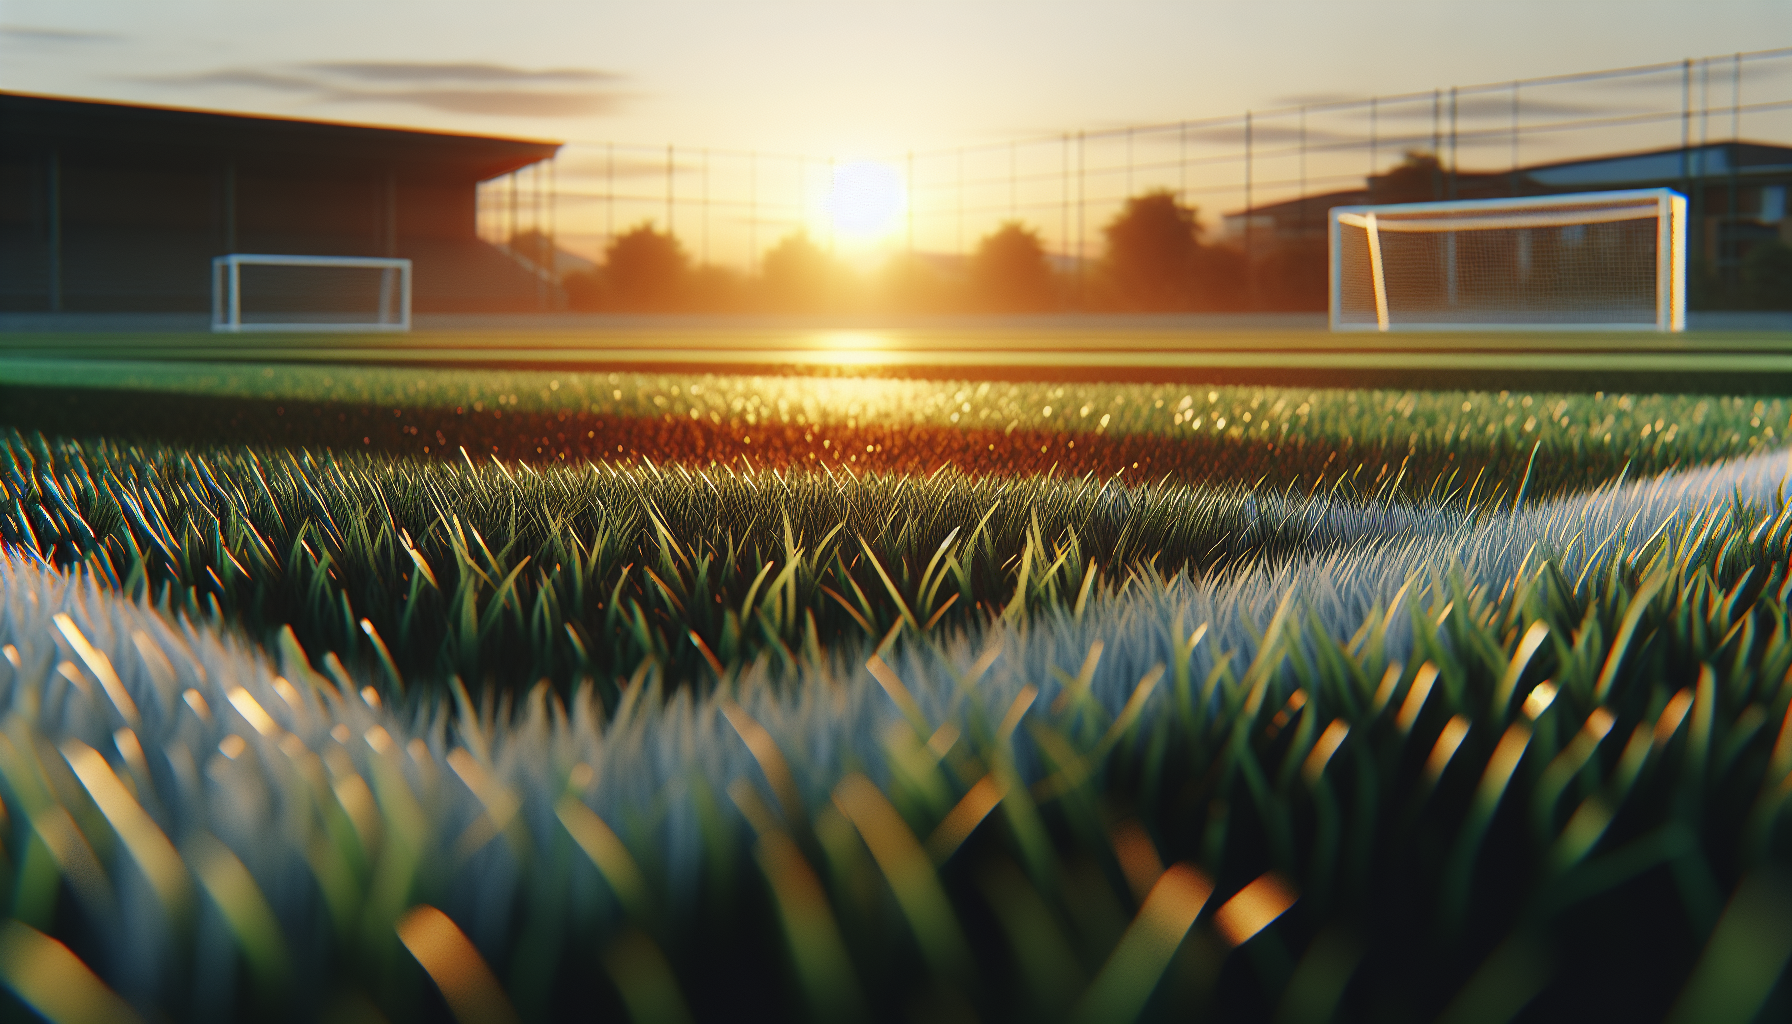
(1259, 179)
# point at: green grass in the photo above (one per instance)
(1551, 778)
(509, 575)
(838, 746)
(1653, 430)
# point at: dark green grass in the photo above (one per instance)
(510, 575)
(1679, 428)
(1567, 801)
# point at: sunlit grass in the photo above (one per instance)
(1175, 797)
(1655, 430)
(291, 734)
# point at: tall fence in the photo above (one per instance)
(727, 207)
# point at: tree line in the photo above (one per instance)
(1156, 258)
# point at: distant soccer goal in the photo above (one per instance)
(1586, 261)
(260, 292)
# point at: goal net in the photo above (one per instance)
(1586, 261)
(260, 292)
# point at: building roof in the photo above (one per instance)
(127, 131)
(1718, 158)
(1625, 170)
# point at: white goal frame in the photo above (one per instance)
(1667, 206)
(227, 292)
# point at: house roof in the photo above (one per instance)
(128, 132)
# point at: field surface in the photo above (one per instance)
(1711, 360)
(988, 677)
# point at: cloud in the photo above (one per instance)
(1488, 104)
(238, 78)
(498, 102)
(456, 88)
(399, 71)
(1267, 133)
(54, 36)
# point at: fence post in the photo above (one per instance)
(1082, 216)
(1513, 184)
(1733, 209)
(1182, 162)
(669, 200)
(961, 250)
(1686, 119)
(1374, 140)
(910, 184)
(1736, 100)
(1064, 195)
(537, 216)
(1250, 249)
(1453, 141)
(1303, 173)
(1437, 113)
(1129, 163)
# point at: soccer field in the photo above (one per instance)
(613, 682)
(1715, 361)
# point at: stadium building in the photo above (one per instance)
(1737, 193)
(116, 208)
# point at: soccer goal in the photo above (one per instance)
(1585, 261)
(259, 292)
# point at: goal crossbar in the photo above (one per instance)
(1665, 207)
(394, 313)
(1552, 219)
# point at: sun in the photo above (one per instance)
(865, 200)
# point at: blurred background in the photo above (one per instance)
(927, 159)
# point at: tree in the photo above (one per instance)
(1294, 277)
(713, 289)
(646, 270)
(1420, 177)
(798, 277)
(586, 291)
(1009, 272)
(1151, 252)
(913, 283)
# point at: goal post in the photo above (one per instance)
(265, 292)
(1582, 261)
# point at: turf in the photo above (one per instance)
(1360, 786)
(1406, 706)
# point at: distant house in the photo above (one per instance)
(1737, 193)
(110, 207)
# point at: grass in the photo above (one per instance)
(512, 575)
(1366, 784)
(817, 743)
(507, 576)
(1683, 428)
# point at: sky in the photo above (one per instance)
(840, 79)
